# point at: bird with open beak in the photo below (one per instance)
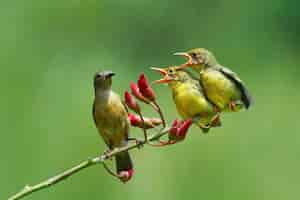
(189, 98)
(222, 86)
(111, 120)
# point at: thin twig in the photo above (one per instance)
(156, 106)
(109, 170)
(143, 126)
(90, 162)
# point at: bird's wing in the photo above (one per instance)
(94, 118)
(124, 112)
(127, 126)
(93, 113)
(246, 97)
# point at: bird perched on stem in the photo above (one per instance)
(189, 98)
(111, 120)
(222, 86)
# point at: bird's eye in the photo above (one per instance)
(194, 55)
(98, 76)
(171, 71)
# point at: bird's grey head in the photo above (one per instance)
(103, 80)
(201, 56)
(198, 58)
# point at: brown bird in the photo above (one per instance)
(111, 120)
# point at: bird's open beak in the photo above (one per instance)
(187, 56)
(160, 70)
(164, 73)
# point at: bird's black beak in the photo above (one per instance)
(109, 74)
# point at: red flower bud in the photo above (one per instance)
(136, 92)
(145, 88)
(174, 129)
(134, 120)
(151, 122)
(125, 175)
(179, 129)
(176, 123)
(184, 127)
(155, 121)
(131, 102)
(148, 122)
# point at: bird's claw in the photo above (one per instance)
(216, 121)
(235, 106)
(139, 143)
(205, 130)
(106, 153)
(205, 127)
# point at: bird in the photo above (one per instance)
(189, 98)
(222, 86)
(110, 117)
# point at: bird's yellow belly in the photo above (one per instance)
(219, 89)
(190, 104)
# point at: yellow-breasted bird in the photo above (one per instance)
(189, 98)
(222, 86)
(111, 120)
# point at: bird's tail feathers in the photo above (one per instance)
(123, 162)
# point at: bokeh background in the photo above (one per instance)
(50, 51)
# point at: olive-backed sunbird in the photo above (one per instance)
(189, 98)
(111, 120)
(222, 86)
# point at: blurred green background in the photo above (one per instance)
(50, 51)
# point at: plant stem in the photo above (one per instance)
(85, 164)
(158, 109)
